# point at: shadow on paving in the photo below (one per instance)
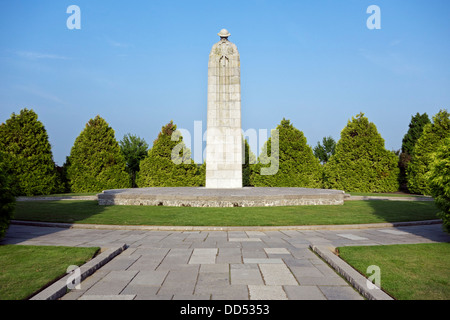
(400, 211)
(68, 212)
(25, 235)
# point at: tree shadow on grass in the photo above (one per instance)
(401, 211)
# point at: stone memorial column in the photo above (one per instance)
(224, 134)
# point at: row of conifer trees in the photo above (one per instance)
(359, 163)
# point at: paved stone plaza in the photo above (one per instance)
(235, 264)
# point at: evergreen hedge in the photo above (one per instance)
(96, 162)
(169, 162)
(27, 150)
(361, 163)
(432, 138)
(249, 160)
(7, 199)
(439, 181)
(297, 165)
(415, 130)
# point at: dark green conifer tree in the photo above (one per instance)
(27, 150)
(361, 163)
(432, 138)
(439, 180)
(169, 162)
(95, 162)
(287, 161)
(418, 122)
(7, 199)
(249, 160)
(415, 130)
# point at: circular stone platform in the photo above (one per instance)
(203, 197)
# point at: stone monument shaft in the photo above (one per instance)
(224, 134)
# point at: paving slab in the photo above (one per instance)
(138, 290)
(212, 283)
(261, 292)
(277, 274)
(74, 294)
(245, 274)
(351, 236)
(145, 263)
(121, 263)
(301, 272)
(244, 240)
(108, 297)
(203, 256)
(295, 262)
(175, 256)
(253, 253)
(191, 297)
(321, 281)
(304, 293)
(263, 260)
(276, 251)
(229, 255)
(152, 296)
(148, 278)
(339, 293)
(232, 292)
(112, 284)
(255, 234)
(178, 283)
(394, 232)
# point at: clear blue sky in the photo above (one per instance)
(140, 64)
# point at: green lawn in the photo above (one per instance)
(352, 212)
(67, 194)
(26, 269)
(408, 271)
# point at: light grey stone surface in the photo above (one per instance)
(304, 293)
(339, 293)
(161, 268)
(277, 274)
(108, 297)
(247, 274)
(260, 292)
(113, 283)
(203, 256)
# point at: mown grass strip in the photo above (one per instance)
(407, 271)
(352, 212)
(26, 269)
